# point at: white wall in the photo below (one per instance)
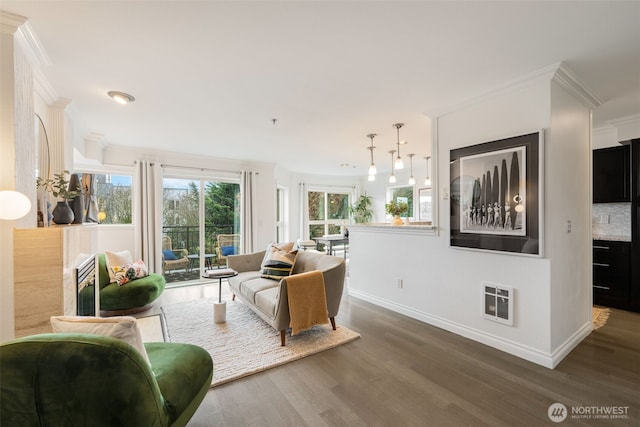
(442, 285)
(568, 198)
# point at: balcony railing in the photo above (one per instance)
(188, 236)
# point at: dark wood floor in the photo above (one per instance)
(402, 372)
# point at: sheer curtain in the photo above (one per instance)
(149, 213)
(304, 212)
(248, 214)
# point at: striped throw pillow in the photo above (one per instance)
(278, 263)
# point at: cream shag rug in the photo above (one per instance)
(600, 317)
(244, 344)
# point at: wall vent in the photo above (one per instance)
(497, 304)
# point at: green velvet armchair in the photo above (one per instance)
(132, 297)
(91, 380)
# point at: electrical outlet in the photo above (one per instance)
(399, 283)
(568, 226)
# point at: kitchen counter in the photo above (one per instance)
(611, 237)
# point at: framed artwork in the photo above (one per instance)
(496, 195)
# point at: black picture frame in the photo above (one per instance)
(496, 195)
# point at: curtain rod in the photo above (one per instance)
(198, 168)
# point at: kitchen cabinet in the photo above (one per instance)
(612, 274)
(612, 174)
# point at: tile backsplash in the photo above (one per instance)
(612, 220)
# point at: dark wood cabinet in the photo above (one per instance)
(612, 274)
(612, 174)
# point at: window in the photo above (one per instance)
(328, 211)
(404, 195)
(112, 194)
(195, 211)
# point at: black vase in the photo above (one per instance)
(77, 206)
(62, 213)
(77, 203)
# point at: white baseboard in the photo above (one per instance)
(548, 360)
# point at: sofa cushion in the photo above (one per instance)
(169, 255)
(115, 259)
(278, 263)
(249, 288)
(126, 273)
(228, 250)
(267, 301)
(122, 327)
(280, 246)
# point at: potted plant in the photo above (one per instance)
(59, 188)
(361, 211)
(396, 209)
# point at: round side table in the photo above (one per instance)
(220, 307)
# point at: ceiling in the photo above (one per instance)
(210, 77)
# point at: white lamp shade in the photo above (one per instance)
(372, 169)
(372, 177)
(13, 205)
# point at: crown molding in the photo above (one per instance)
(43, 88)
(605, 130)
(557, 72)
(625, 121)
(19, 27)
(10, 22)
(566, 79)
(542, 74)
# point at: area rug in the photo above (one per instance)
(244, 344)
(600, 317)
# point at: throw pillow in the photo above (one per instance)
(280, 246)
(122, 327)
(228, 250)
(126, 273)
(169, 255)
(115, 259)
(279, 263)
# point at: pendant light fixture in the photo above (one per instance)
(392, 177)
(399, 164)
(427, 180)
(372, 166)
(412, 180)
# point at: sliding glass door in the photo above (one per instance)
(196, 212)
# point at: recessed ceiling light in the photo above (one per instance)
(121, 97)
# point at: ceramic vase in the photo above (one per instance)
(397, 220)
(62, 213)
(77, 203)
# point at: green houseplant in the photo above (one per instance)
(396, 209)
(59, 187)
(361, 211)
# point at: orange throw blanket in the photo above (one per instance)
(307, 301)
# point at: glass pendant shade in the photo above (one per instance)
(427, 180)
(372, 165)
(371, 177)
(399, 164)
(392, 179)
(412, 180)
